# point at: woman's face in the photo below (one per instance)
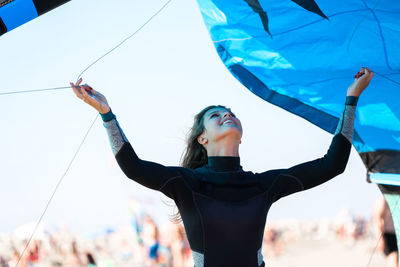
(220, 123)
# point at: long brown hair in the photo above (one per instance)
(195, 155)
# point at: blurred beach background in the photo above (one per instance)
(346, 240)
(155, 83)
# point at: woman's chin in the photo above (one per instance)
(231, 131)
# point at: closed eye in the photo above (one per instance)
(218, 113)
(213, 115)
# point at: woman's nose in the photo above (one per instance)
(227, 113)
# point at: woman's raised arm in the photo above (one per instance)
(147, 173)
(333, 163)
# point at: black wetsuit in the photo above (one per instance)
(223, 207)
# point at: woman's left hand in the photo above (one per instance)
(362, 79)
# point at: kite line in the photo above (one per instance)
(35, 90)
(87, 132)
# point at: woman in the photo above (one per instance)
(224, 208)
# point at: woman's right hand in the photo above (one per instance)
(91, 97)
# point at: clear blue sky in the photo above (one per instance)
(155, 84)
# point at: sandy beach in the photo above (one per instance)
(293, 243)
(305, 252)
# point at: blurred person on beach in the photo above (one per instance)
(150, 238)
(179, 247)
(386, 232)
(360, 227)
(90, 262)
(223, 207)
(349, 227)
(33, 254)
(73, 257)
(3, 262)
(16, 257)
(273, 243)
(345, 225)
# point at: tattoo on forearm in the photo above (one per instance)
(115, 135)
(346, 122)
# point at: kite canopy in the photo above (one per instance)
(14, 13)
(301, 55)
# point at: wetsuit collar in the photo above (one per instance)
(224, 163)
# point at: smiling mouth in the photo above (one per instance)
(227, 121)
